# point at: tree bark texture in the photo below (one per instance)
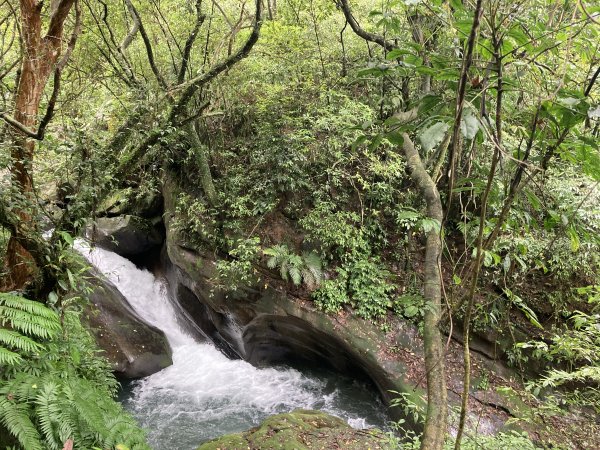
(40, 55)
(437, 414)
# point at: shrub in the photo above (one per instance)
(362, 283)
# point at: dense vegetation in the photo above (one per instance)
(432, 160)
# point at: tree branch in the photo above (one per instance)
(190, 42)
(135, 27)
(41, 131)
(59, 14)
(149, 52)
(191, 86)
(371, 37)
(460, 99)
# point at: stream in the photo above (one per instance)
(204, 394)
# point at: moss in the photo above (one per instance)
(301, 430)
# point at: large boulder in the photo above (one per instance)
(126, 235)
(301, 430)
(134, 348)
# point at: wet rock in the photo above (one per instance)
(265, 324)
(134, 348)
(301, 430)
(128, 201)
(126, 235)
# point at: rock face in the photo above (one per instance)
(126, 235)
(301, 430)
(134, 348)
(265, 324)
(127, 201)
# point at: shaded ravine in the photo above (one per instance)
(204, 394)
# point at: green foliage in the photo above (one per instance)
(362, 283)
(196, 223)
(336, 232)
(54, 385)
(239, 271)
(510, 440)
(305, 268)
(411, 306)
(333, 293)
(370, 288)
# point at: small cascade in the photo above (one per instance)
(204, 394)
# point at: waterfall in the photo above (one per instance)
(204, 394)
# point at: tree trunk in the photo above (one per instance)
(437, 414)
(201, 154)
(40, 54)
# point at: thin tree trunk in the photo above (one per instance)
(437, 409)
(203, 165)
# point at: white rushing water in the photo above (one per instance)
(204, 394)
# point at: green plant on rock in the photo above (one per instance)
(370, 288)
(239, 270)
(336, 232)
(333, 293)
(54, 387)
(363, 283)
(306, 268)
(577, 349)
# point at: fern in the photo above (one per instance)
(295, 268)
(17, 341)
(9, 358)
(26, 320)
(312, 272)
(66, 392)
(32, 307)
(44, 401)
(15, 418)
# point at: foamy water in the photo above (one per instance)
(204, 394)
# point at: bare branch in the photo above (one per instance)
(190, 87)
(190, 42)
(147, 44)
(371, 37)
(135, 27)
(460, 98)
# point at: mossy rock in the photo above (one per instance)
(301, 430)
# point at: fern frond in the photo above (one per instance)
(314, 265)
(272, 262)
(284, 269)
(85, 402)
(44, 401)
(308, 278)
(8, 358)
(17, 341)
(15, 418)
(30, 306)
(28, 323)
(295, 275)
